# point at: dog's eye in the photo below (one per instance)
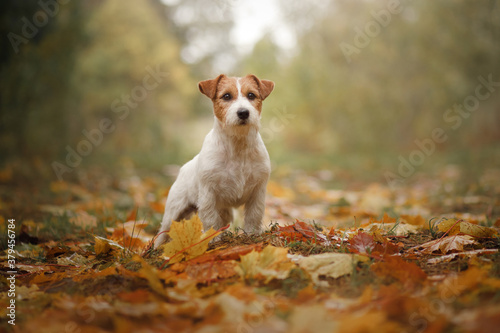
(227, 97)
(251, 96)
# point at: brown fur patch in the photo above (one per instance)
(250, 84)
(227, 85)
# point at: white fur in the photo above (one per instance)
(231, 170)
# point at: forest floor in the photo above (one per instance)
(356, 257)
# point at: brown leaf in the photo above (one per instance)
(210, 271)
(399, 269)
(447, 244)
(413, 219)
(362, 243)
(231, 253)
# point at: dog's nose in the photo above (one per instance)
(243, 114)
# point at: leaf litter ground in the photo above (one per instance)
(419, 258)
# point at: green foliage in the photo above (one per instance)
(358, 111)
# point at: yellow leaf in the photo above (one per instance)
(454, 227)
(327, 265)
(451, 226)
(101, 246)
(271, 263)
(151, 274)
(187, 240)
(476, 230)
(104, 245)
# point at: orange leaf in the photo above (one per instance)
(414, 220)
(136, 296)
(300, 232)
(232, 253)
(210, 271)
(401, 270)
(132, 216)
(157, 207)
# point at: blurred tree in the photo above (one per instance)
(35, 76)
(91, 61)
(204, 29)
(370, 78)
(131, 72)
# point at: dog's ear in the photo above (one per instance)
(209, 87)
(265, 86)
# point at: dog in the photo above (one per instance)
(233, 166)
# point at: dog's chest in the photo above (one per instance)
(235, 183)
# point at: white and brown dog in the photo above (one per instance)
(233, 165)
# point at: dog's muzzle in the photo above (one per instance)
(243, 115)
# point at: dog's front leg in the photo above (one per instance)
(254, 210)
(210, 214)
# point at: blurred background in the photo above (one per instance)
(382, 89)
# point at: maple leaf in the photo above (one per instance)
(271, 263)
(362, 243)
(188, 240)
(300, 232)
(365, 244)
(447, 244)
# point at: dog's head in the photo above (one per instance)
(237, 101)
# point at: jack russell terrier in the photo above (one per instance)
(233, 165)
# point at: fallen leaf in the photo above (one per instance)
(416, 220)
(131, 234)
(446, 244)
(48, 277)
(73, 260)
(187, 240)
(210, 271)
(362, 243)
(399, 269)
(324, 265)
(396, 229)
(455, 227)
(466, 254)
(103, 245)
(231, 253)
(475, 230)
(271, 263)
(151, 275)
(300, 232)
(157, 207)
(136, 296)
